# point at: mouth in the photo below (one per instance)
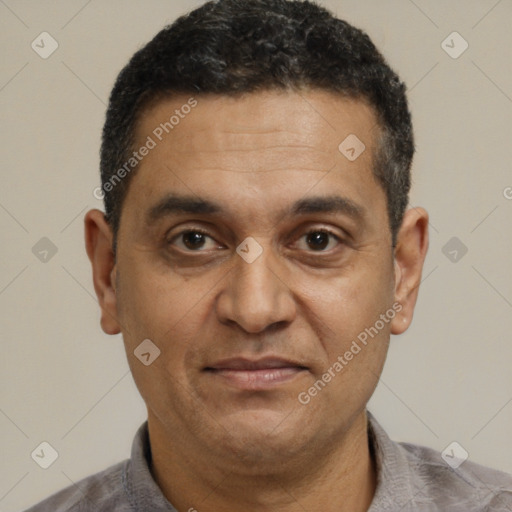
(261, 374)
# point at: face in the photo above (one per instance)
(256, 256)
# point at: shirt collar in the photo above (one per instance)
(142, 490)
(394, 487)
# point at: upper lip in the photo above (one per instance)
(265, 363)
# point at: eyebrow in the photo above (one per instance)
(186, 204)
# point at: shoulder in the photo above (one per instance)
(469, 484)
(103, 491)
(417, 478)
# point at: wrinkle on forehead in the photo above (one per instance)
(251, 135)
(257, 119)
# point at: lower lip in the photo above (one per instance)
(267, 378)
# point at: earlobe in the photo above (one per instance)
(98, 243)
(410, 253)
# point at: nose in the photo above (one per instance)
(255, 295)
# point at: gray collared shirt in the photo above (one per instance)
(409, 478)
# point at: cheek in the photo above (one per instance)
(160, 303)
(172, 311)
(169, 311)
(345, 305)
(356, 337)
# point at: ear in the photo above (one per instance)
(410, 252)
(98, 243)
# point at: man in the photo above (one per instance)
(256, 254)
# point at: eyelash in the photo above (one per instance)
(202, 232)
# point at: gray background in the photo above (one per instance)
(65, 382)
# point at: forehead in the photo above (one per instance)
(312, 119)
(257, 148)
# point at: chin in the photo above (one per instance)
(263, 436)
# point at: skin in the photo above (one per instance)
(226, 439)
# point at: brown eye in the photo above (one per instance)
(193, 240)
(320, 240)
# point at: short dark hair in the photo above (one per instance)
(232, 47)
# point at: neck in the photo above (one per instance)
(341, 479)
